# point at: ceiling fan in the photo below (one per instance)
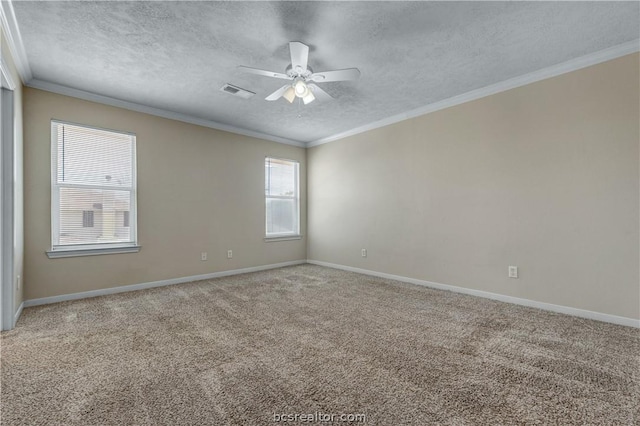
(303, 77)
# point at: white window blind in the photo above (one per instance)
(282, 197)
(93, 191)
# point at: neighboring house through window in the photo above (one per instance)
(87, 219)
(93, 191)
(282, 198)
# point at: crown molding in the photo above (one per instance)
(106, 100)
(18, 52)
(14, 40)
(512, 83)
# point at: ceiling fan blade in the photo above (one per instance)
(319, 93)
(264, 72)
(336, 75)
(299, 56)
(278, 93)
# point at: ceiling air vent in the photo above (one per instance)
(236, 91)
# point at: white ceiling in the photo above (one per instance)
(176, 55)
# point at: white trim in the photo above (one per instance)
(282, 238)
(55, 195)
(7, 280)
(295, 198)
(106, 100)
(7, 79)
(14, 40)
(133, 195)
(62, 252)
(7, 84)
(18, 51)
(18, 313)
(134, 287)
(582, 313)
(512, 83)
(89, 126)
(130, 246)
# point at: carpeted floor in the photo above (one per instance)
(308, 339)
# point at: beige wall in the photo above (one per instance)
(544, 177)
(18, 238)
(199, 190)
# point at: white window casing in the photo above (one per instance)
(93, 174)
(282, 199)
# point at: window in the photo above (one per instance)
(282, 198)
(93, 191)
(87, 219)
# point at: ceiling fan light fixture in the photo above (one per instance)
(300, 88)
(309, 97)
(301, 78)
(289, 94)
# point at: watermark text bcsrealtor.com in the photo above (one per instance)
(319, 417)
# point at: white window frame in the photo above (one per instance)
(90, 249)
(295, 235)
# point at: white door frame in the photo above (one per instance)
(7, 154)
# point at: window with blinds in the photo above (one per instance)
(282, 198)
(93, 191)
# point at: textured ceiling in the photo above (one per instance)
(176, 55)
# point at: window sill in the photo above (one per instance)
(282, 238)
(91, 252)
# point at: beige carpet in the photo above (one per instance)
(308, 339)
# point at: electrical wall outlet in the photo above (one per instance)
(364, 252)
(513, 272)
(203, 255)
(229, 254)
(18, 283)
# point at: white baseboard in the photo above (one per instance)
(582, 313)
(142, 286)
(17, 314)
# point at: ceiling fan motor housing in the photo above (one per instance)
(293, 73)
